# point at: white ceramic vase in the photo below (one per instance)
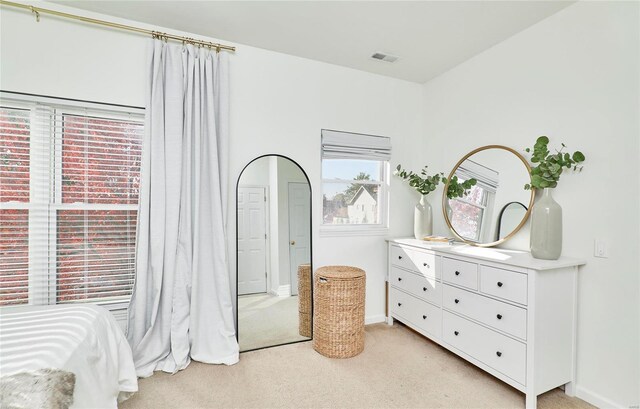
(546, 227)
(422, 219)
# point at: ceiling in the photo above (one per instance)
(430, 37)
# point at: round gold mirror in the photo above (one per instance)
(493, 205)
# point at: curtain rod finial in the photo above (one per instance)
(35, 11)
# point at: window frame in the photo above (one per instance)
(42, 275)
(381, 228)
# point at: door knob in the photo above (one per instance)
(293, 242)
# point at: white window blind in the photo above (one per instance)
(354, 181)
(69, 179)
(347, 145)
(486, 178)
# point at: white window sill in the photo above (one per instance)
(353, 230)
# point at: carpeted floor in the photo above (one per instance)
(398, 369)
(266, 320)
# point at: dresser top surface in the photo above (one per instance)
(501, 256)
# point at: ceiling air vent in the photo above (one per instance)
(384, 57)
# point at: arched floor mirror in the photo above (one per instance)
(274, 248)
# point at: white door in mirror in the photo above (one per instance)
(252, 258)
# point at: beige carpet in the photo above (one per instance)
(398, 369)
(266, 320)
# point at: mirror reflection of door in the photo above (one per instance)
(299, 234)
(252, 240)
(273, 241)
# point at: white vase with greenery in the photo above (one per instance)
(424, 184)
(546, 216)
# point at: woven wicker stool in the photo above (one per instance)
(338, 311)
(304, 300)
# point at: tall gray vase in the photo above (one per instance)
(422, 219)
(546, 228)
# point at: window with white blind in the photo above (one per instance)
(472, 212)
(354, 182)
(69, 180)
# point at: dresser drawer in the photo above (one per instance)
(401, 257)
(425, 263)
(505, 284)
(419, 313)
(497, 314)
(426, 288)
(500, 352)
(460, 273)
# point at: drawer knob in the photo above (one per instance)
(500, 284)
(499, 353)
(424, 317)
(399, 257)
(455, 333)
(426, 265)
(499, 316)
(424, 288)
(457, 273)
(399, 278)
(399, 304)
(456, 300)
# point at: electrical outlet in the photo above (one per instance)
(600, 249)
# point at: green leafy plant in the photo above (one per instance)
(424, 183)
(457, 189)
(549, 166)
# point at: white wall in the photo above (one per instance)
(256, 174)
(573, 77)
(274, 229)
(279, 104)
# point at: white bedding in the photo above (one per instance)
(83, 339)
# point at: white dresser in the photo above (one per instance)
(504, 311)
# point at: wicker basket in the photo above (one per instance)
(304, 324)
(304, 300)
(338, 314)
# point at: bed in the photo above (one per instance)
(83, 339)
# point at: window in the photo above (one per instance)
(468, 213)
(69, 180)
(354, 180)
(471, 211)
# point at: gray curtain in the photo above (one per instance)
(181, 307)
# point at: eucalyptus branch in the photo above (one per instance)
(546, 173)
(424, 184)
(456, 189)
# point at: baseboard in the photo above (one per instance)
(595, 399)
(374, 319)
(284, 290)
